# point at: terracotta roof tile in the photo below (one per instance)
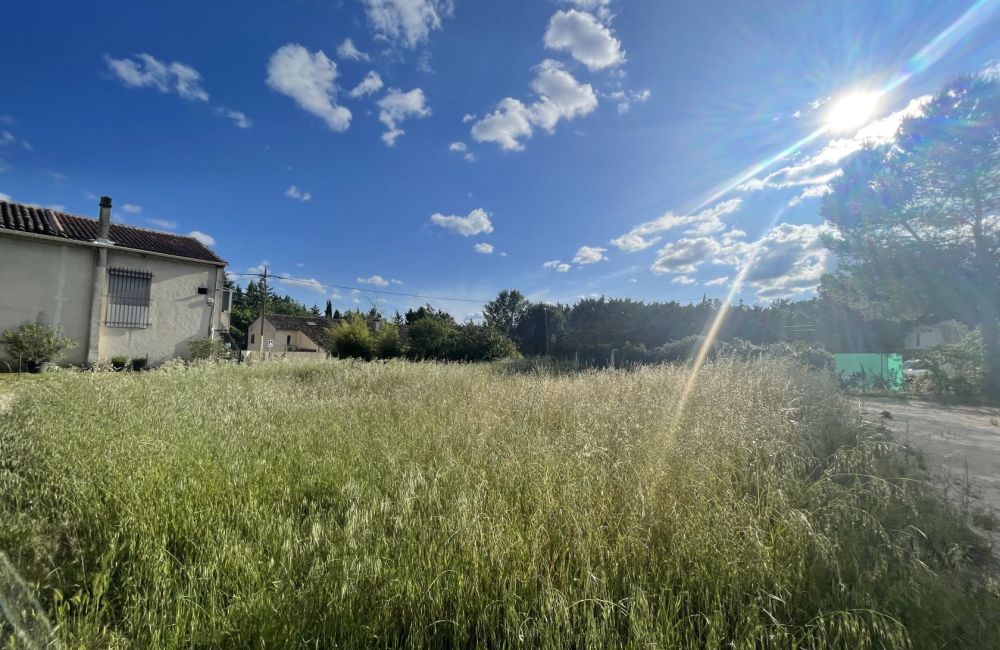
(42, 221)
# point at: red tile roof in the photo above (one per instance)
(51, 223)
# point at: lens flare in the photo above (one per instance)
(852, 111)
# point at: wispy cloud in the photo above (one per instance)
(204, 238)
(707, 221)
(407, 22)
(146, 71)
(293, 192)
(371, 84)
(348, 51)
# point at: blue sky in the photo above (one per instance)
(458, 147)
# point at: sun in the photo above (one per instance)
(852, 111)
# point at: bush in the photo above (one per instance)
(34, 344)
(474, 342)
(387, 343)
(139, 363)
(956, 371)
(206, 348)
(119, 363)
(351, 339)
(430, 338)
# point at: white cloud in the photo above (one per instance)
(132, 209)
(376, 280)
(590, 255)
(205, 239)
(5, 197)
(468, 117)
(408, 22)
(510, 122)
(717, 282)
(397, 106)
(371, 84)
(625, 99)
(685, 255)
(460, 147)
(476, 223)
(309, 79)
(484, 248)
(165, 224)
(705, 222)
(146, 71)
(239, 118)
(293, 192)
(788, 260)
(556, 265)
(260, 268)
(683, 279)
(347, 50)
(585, 38)
(6, 137)
(560, 96)
(308, 283)
(811, 192)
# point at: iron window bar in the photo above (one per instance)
(128, 298)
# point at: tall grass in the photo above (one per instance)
(422, 505)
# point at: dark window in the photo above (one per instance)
(288, 340)
(253, 338)
(227, 300)
(128, 298)
(202, 291)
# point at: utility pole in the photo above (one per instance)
(263, 309)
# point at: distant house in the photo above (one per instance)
(117, 290)
(300, 337)
(293, 337)
(924, 337)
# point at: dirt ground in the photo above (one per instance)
(961, 447)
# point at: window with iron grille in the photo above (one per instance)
(128, 298)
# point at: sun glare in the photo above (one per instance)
(852, 111)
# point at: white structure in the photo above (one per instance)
(924, 337)
(116, 290)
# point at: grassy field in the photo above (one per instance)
(421, 505)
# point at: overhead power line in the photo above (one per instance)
(309, 283)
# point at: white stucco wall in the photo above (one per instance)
(46, 283)
(51, 282)
(178, 313)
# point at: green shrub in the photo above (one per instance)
(430, 338)
(139, 363)
(210, 349)
(387, 342)
(33, 344)
(956, 371)
(351, 339)
(472, 342)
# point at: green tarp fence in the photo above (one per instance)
(870, 371)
